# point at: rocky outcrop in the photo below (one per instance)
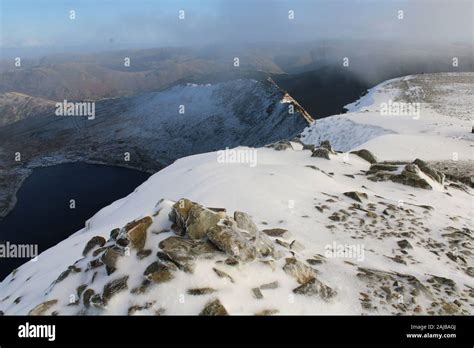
(136, 232)
(323, 151)
(201, 235)
(365, 154)
(357, 196)
(411, 174)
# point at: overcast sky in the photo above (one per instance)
(114, 24)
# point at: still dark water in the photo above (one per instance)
(43, 215)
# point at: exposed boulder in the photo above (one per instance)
(404, 244)
(357, 196)
(382, 167)
(315, 287)
(411, 176)
(201, 291)
(200, 220)
(325, 144)
(136, 232)
(244, 222)
(321, 152)
(298, 270)
(365, 154)
(429, 171)
(232, 242)
(281, 145)
(159, 272)
(222, 274)
(277, 232)
(92, 243)
(184, 251)
(109, 258)
(214, 307)
(114, 287)
(179, 214)
(42, 307)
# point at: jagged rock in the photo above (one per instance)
(308, 147)
(257, 293)
(141, 254)
(86, 297)
(122, 241)
(114, 233)
(214, 307)
(298, 270)
(404, 244)
(109, 258)
(200, 220)
(371, 214)
(268, 286)
(94, 264)
(92, 243)
(470, 271)
(321, 153)
(326, 144)
(260, 240)
(159, 272)
(432, 173)
(315, 287)
(357, 196)
(183, 251)
(410, 176)
(179, 214)
(450, 308)
(80, 289)
(136, 308)
(282, 243)
(98, 251)
(97, 301)
(142, 288)
(136, 232)
(114, 287)
(281, 145)
(201, 291)
(63, 275)
(222, 274)
(277, 232)
(232, 242)
(382, 167)
(42, 307)
(365, 154)
(244, 222)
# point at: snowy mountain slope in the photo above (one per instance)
(153, 128)
(333, 234)
(440, 128)
(404, 240)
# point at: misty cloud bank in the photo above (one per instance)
(110, 25)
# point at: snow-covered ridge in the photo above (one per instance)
(438, 127)
(155, 128)
(349, 235)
